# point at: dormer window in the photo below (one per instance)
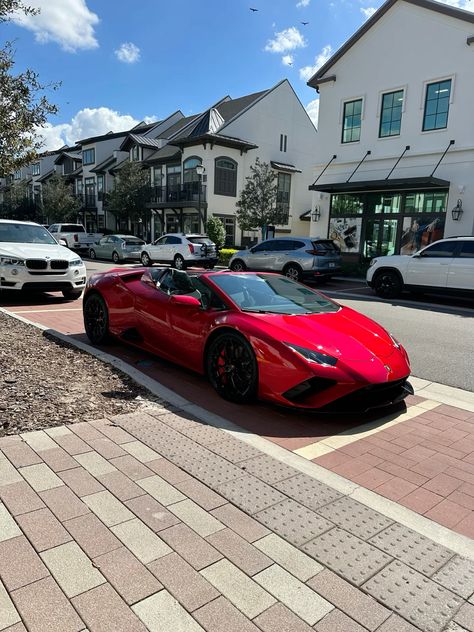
(88, 156)
(35, 169)
(135, 153)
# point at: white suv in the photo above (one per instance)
(445, 266)
(32, 260)
(181, 251)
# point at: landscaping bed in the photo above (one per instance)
(46, 383)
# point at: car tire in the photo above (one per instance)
(387, 284)
(232, 368)
(238, 266)
(96, 319)
(72, 295)
(293, 271)
(92, 254)
(179, 263)
(146, 259)
(115, 257)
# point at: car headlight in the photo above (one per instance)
(372, 263)
(11, 261)
(313, 356)
(75, 262)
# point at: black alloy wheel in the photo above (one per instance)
(72, 295)
(115, 257)
(293, 272)
(96, 319)
(145, 259)
(232, 368)
(92, 254)
(179, 263)
(387, 284)
(238, 266)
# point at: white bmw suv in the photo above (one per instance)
(445, 266)
(32, 260)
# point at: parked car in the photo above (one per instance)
(181, 251)
(445, 266)
(117, 248)
(235, 329)
(74, 236)
(32, 260)
(296, 257)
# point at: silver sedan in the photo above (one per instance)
(118, 248)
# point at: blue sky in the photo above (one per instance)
(121, 62)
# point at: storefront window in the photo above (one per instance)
(346, 232)
(419, 232)
(426, 202)
(384, 202)
(342, 204)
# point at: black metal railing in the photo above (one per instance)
(187, 192)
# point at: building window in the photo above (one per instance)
(283, 197)
(391, 114)
(283, 142)
(437, 105)
(189, 167)
(88, 157)
(229, 225)
(79, 186)
(225, 177)
(35, 169)
(352, 121)
(100, 187)
(157, 176)
(17, 175)
(135, 153)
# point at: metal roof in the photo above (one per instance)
(283, 166)
(165, 154)
(395, 184)
(142, 141)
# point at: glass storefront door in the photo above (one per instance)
(380, 237)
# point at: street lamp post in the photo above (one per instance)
(200, 172)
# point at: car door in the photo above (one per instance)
(257, 256)
(152, 300)
(461, 270)
(430, 266)
(102, 247)
(158, 249)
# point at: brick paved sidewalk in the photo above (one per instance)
(159, 522)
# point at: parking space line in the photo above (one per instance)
(47, 311)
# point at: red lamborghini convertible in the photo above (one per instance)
(253, 335)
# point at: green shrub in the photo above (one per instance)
(224, 256)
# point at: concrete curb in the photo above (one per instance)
(462, 545)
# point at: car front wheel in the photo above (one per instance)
(238, 266)
(145, 259)
(92, 254)
(387, 284)
(232, 368)
(96, 319)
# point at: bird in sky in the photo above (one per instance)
(304, 23)
(253, 10)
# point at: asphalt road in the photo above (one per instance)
(438, 335)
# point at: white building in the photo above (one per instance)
(395, 152)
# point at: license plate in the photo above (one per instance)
(332, 265)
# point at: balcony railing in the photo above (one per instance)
(189, 192)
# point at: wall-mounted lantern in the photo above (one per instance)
(457, 211)
(315, 214)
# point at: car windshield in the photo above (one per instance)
(273, 294)
(200, 240)
(129, 241)
(72, 228)
(25, 234)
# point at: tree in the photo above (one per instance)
(257, 207)
(59, 203)
(23, 107)
(216, 231)
(17, 202)
(131, 192)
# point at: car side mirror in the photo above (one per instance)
(62, 242)
(185, 300)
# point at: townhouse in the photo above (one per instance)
(197, 165)
(394, 166)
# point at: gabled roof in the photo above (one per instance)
(47, 175)
(215, 139)
(165, 154)
(142, 141)
(180, 125)
(233, 107)
(68, 154)
(431, 5)
(102, 166)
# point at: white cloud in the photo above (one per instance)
(70, 23)
(368, 12)
(467, 5)
(285, 40)
(308, 71)
(313, 110)
(86, 123)
(303, 3)
(287, 60)
(128, 53)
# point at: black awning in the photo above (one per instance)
(393, 184)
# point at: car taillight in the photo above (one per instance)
(191, 248)
(76, 237)
(315, 252)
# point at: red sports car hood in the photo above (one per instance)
(345, 333)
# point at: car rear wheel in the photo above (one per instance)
(179, 263)
(92, 254)
(72, 295)
(387, 284)
(238, 266)
(96, 319)
(145, 259)
(293, 272)
(232, 368)
(115, 257)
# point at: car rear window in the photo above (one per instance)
(72, 228)
(201, 240)
(326, 246)
(134, 242)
